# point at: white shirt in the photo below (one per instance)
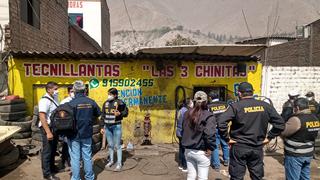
(66, 100)
(46, 106)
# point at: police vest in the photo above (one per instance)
(303, 141)
(218, 107)
(108, 110)
(313, 106)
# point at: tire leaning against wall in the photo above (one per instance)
(6, 147)
(96, 147)
(96, 138)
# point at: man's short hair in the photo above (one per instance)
(50, 85)
(113, 91)
(301, 103)
(70, 87)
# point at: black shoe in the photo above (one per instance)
(51, 177)
(56, 169)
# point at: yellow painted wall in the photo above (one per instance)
(27, 78)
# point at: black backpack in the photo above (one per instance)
(63, 120)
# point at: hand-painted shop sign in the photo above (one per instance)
(72, 70)
(206, 70)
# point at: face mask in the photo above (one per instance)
(72, 95)
(55, 93)
(310, 98)
(191, 105)
(110, 98)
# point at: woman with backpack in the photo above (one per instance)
(198, 137)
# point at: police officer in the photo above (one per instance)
(217, 107)
(86, 110)
(299, 140)
(113, 112)
(248, 132)
(313, 104)
(287, 108)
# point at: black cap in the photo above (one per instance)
(310, 94)
(245, 87)
(113, 91)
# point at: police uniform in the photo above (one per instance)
(314, 107)
(108, 109)
(250, 120)
(299, 141)
(217, 108)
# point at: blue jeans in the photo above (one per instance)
(81, 148)
(297, 168)
(215, 160)
(113, 135)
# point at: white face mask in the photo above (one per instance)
(110, 98)
(72, 95)
(191, 105)
(56, 93)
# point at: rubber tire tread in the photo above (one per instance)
(14, 116)
(9, 158)
(13, 108)
(24, 125)
(22, 135)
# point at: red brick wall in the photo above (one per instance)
(53, 33)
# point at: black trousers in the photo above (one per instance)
(182, 158)
(48, 153)
(242, 156)
(65, 157)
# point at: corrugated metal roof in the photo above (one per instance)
(203, 53)
(289, 38)
(212, 49)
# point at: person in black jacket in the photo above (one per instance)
(287, 108)
(113, 111)
(198, 137)
(85, 111)
(248, 132)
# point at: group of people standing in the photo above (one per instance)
(78, 145)
(204, 124)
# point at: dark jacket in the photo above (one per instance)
(86, 111)
(250, 120)
(182, 112)
(108, 114)
(203, 137)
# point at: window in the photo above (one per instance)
(30, 12)
(76, 18)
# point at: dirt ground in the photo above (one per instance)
(156, 162)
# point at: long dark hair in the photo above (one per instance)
(194, 114)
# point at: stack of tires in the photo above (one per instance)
(9, 156)
(36, 133)
(13, 113)
(96, 139)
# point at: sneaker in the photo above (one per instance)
(110, 163)
(118, 168)
(184, 170)
(217, 169)
(180, 167)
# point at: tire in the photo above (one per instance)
(35, 110)
(13, 108)
(34, 125)
(96, 147)
(21, 135)
(12, 116)
(9, 158)
(25, 126)
(21, 142)
(96, 129)
(96, 138)
(28, 118)
(37, 136)
(6, 147)
(14, 101)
